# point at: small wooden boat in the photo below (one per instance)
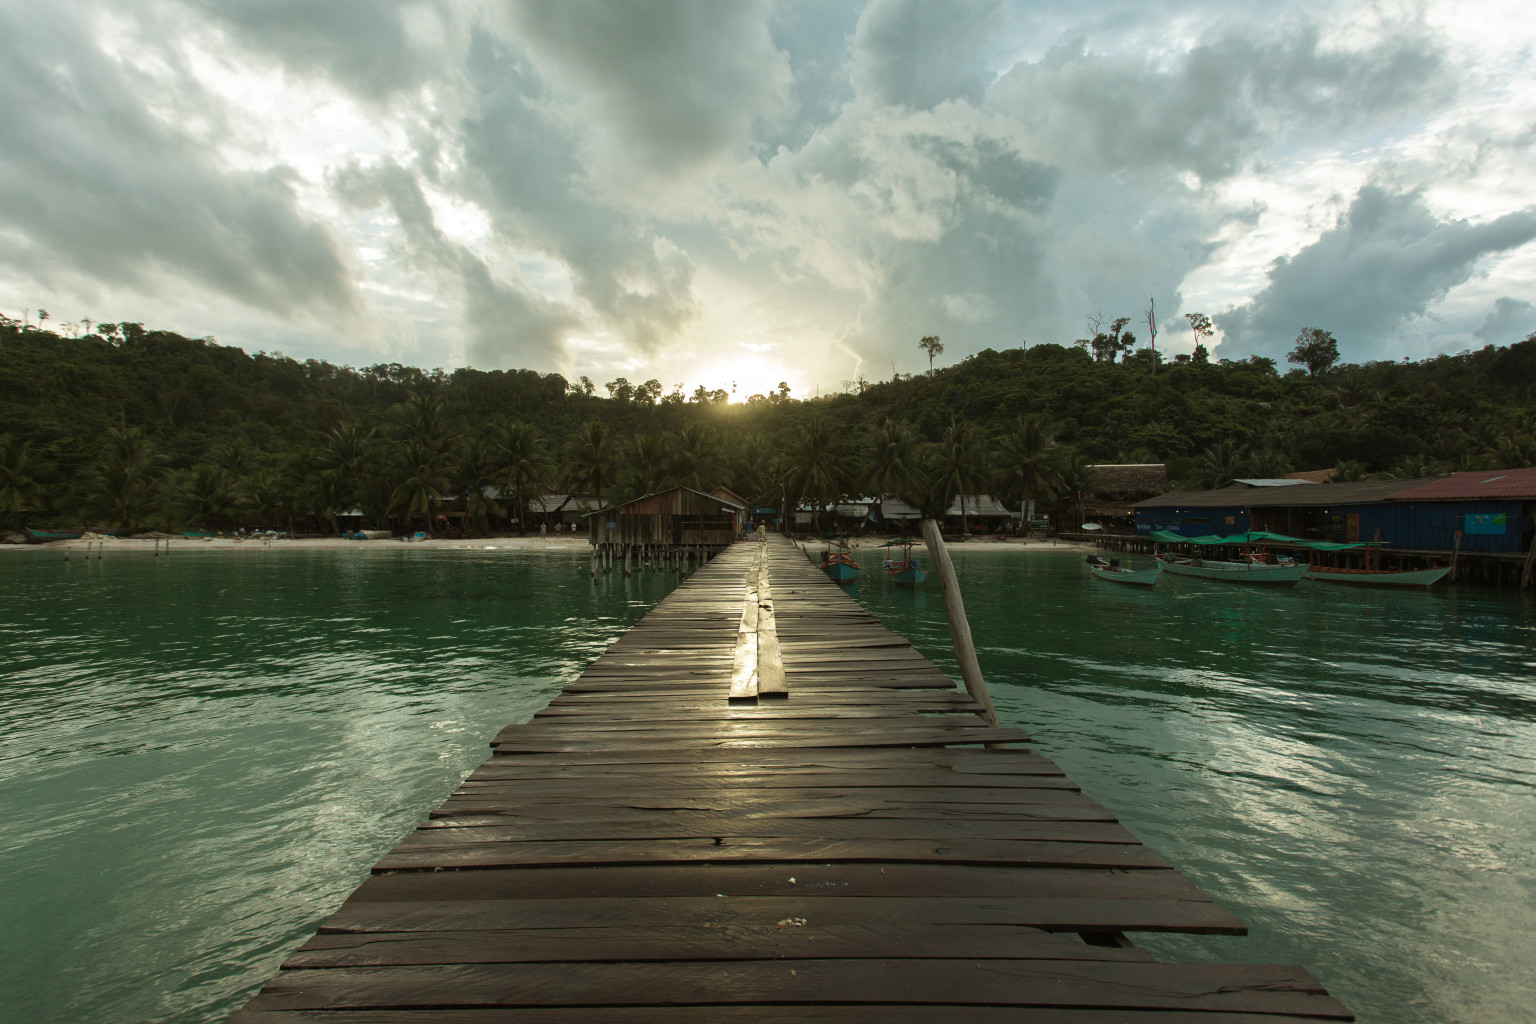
(1235, 572)
(1114, 572)
(903, 571)
(1379, 577)
(839, 565)
(44, 536)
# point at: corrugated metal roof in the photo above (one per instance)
(1284, 481)
(673, 502)
(1316, 496)
(978, 505)
(1490, 483)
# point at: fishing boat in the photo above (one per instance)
(44, 536)
(839, 565)
(1378, 577)
(1114, 572)
(836, 562)
(903, 571)
(1245, 571)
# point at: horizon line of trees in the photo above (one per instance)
(134, 427)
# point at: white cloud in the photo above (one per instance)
(681, 187)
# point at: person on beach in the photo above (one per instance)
(543, 529)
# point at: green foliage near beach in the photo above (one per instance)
(136, 427)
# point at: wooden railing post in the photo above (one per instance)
(959, 626)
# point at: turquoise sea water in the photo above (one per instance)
(201, 756)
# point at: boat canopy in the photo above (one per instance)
(1253, 537)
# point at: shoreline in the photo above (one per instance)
(565, 544)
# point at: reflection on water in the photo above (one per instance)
(1352, 772)
(201, 756)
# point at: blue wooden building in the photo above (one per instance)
(1491, 509)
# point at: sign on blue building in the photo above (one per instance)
(1487, 522)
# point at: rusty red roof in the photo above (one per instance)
(1486, 483)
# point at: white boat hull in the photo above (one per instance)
(1133, 577)
(1380, 577)
(1238, 572)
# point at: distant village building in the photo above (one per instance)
(563, 509)
(981, 510)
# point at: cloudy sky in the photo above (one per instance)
(738, 192)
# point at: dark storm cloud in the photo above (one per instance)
(1387, 259)
(1217, 105)
(97, 181)
(675, 81)
(508, 326)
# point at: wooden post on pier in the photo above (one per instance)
(1530, 567)
(959, 626)
(1455, 551)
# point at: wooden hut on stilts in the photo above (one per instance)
(667, 530)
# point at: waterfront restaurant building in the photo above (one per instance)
(1492, 509)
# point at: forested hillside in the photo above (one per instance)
(147, 428)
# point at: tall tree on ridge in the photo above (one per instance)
(934, 347)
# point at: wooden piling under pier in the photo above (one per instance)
(664, 842)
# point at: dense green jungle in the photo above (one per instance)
(125, 426)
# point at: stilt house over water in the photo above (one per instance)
(665, 528)
(1487, 516)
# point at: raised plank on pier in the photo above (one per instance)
(761, 805)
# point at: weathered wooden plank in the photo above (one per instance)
(1052, 983)
(800, 1013)
(843, 880)
(714, 940)
(727, 849)
(886, 915)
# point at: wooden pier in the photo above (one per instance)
(761, 805)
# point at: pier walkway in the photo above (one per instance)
(761, 805)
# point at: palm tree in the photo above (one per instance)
(647, 471)
(349, 452)
(893, 459)
(424, 462)
(525, 464)
(814, 467)
(960, 461)
(693, 450)
(1348, 472)
(589, 459)
(1219, 464)
(424, 472)
(478, 471)
(208, 493)
(1029, 461)
(21, 478)
(126, 474)
(266, 497)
